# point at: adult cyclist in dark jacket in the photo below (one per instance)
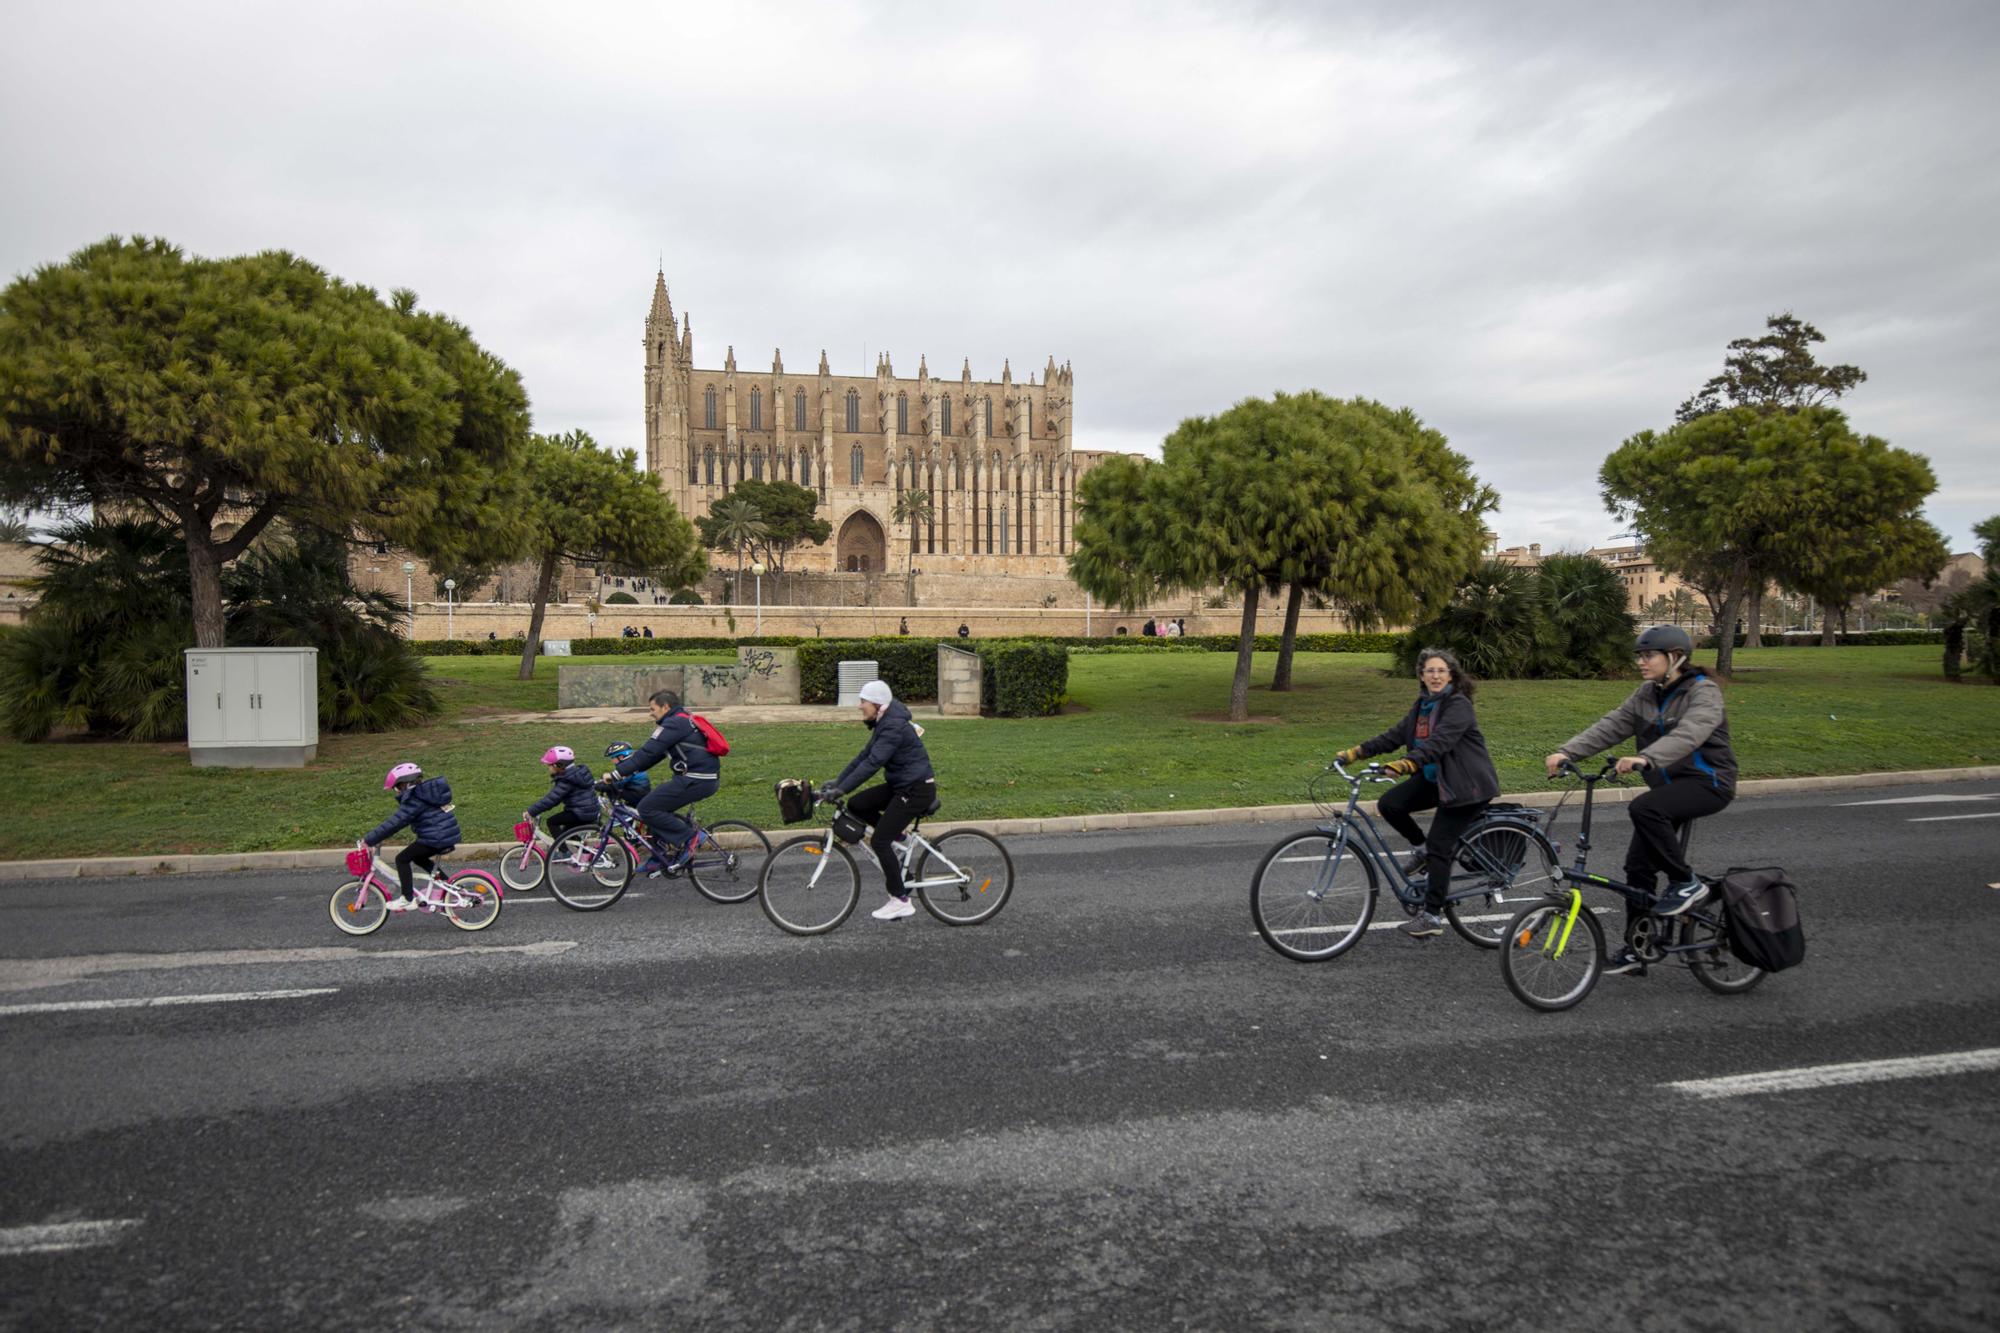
(425, 807)
(1685, 757)
(697, 776)
(1448, 771)
(907, 793)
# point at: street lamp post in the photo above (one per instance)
(449, 632)
(410, 594)
(758, 570)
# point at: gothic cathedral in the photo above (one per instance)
(991, 459)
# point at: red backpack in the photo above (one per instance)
(713, 738)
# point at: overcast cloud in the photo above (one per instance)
(1537, 225)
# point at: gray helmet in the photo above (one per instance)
(1664, 639)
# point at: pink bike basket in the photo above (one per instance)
(522, 830)
(358, 862)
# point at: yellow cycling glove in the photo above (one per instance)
(1402, 768)
(1349, 755)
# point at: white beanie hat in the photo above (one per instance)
(877, 692)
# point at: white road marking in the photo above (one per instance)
(17, 974)
(1919, 800)
(56, 1237)
(1391, 925)
(1939, 819)
(160, 1001)
(543, 902)
(1829, 1076)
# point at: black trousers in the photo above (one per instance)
(562, 821)
(891, 810)
(417, 853)
(1658, 816)
(660, 804)
(1398, 806)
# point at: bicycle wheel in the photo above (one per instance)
(1546, 961)
(523, 869)
(1312, 896)
(809, 885)
(589, 869)
(358, 907)
(974, 877)
(472, 900)
(1500, 868)
(730, 862)
(1713, 965)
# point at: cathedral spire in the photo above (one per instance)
(663, 304)
(824, 369)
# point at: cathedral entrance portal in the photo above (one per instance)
(861, 547)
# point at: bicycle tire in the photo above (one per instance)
(589, 887)
(358, 907)
(524, 869)
(1716, 967)
(790, 904)
(487, 900)
(973, 900)
(1288, 907)
(1540, 949)
(725, 874)
(1504, 867)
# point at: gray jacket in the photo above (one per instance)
(1680, 728)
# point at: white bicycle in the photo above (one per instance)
(810, 884)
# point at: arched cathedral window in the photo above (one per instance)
(854, 465)
(853, 412)
(756, 409)
(708, 462)
(708, 407)
(902, 414)
(799, 410)
(944, 417)
(757, 462)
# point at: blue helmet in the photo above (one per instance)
(617, 750)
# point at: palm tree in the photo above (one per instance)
(912, 507)
(14, 526)
(738, 523)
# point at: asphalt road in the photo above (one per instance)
(1111, 1107)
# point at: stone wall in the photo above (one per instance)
(759, 676)
(845, 622)
(961, 677)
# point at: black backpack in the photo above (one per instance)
(1762, 909)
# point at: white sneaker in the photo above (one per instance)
(894, 910)
(398, 903)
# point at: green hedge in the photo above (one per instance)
(1226, 643)
(1880, 638)
(1024, 678)
(909, 665)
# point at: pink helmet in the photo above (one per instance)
(398, 773)
(558, 754)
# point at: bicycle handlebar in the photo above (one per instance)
(1569, 768)
(1369, 773)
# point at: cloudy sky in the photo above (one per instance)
(1536, 224)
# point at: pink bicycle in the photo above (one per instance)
(525, 868)
(469, 899)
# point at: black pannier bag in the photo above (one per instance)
(1762, 909)
(795, 800)
(849, 829)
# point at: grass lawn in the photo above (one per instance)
(1130, 744)
(473, 686)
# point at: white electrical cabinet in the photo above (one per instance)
(253, 707)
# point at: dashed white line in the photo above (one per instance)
(1922, 800)
(1830, 1076)
(55, 1237)
(161, 1001)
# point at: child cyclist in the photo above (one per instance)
(426, 804)
(907, 793)
(632, 788)
(571, 787)
(697, 776)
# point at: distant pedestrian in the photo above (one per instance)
(492, 636)
(903, 625)
(1173, 629)
(647, 632)
(964, 630)
(1149, 629)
